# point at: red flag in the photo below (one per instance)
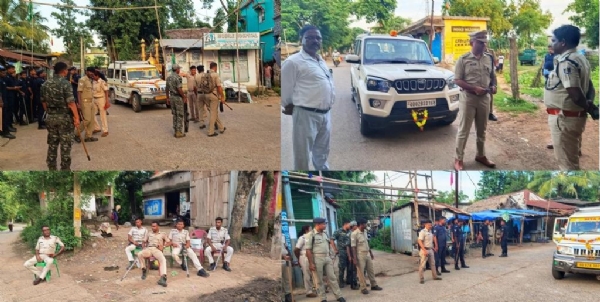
(451, 178)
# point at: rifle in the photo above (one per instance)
(186, 117)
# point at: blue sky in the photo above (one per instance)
(416, 10)
(58, 43)
(441, 180)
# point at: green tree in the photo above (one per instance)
(530, 20)
(128, 191)
(381, 11)
(332, 19)
(494, 183)
(71, 31)
(586, 16)
(500, 12)
(16, 30)
(99, 61)
(396, 23)
(226, 14)
(581, 185)
(448, 197)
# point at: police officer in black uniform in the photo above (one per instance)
(31, 108)
(457, 245)
(439, 239)
(37, 98)
(504, 238)
(6, 110)
(23, 101)
(484, 233)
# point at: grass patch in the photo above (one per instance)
(383, 240)
(595, 80)
(506, 103)
(3, 228)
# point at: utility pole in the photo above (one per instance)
(432, 35)
(81, 56)
(77, 207)
(456, 189)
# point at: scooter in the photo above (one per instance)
(185, 218)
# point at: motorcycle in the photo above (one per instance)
(185, 218)
(336, 61)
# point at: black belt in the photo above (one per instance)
(321, 111)
(428, 248)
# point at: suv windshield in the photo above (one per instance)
(142, 74)
(396, 51)
(583, 225)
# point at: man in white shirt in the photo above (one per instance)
(300, 252)
(45, 251)
(135, 238)
(307, 93)
(218, 241)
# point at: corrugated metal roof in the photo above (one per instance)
(550, 205)
(181, 43)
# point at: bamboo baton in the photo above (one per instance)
(361, 276)
(80, 137)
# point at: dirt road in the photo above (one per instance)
(524, 276)
(144, 141)
(84, 278)
(514, 142)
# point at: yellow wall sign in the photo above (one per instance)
(456, 37)
(77, 214)
(583, 219)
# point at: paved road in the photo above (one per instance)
(145, 141)
(403, 147)
(524, 276)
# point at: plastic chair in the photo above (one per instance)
(43, 264)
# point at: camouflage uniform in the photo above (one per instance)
(174, 82)
(57, 93)
(342, 238)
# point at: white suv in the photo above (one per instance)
(394, 80)
(135, 82)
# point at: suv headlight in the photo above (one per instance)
(145, 90)
(451, 84)
(378, 84)
(564, 250)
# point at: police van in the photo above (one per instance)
(135, 82)
(577, 240)
(394, 80)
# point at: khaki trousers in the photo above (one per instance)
(190, 254)
(324, 265)
(193, 105)
(30, 265)
(566, 137)
(364, 260)
(214, 114)
(156, 253)
(100, 103)
(203, 104)
(88, 112)
(429, 256)
(306, 274)
(472, 108)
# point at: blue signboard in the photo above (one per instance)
(285, 229)
(153, 207)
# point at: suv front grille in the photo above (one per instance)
(586, 253)
(419, 85)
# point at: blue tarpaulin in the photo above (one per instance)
(516, 215)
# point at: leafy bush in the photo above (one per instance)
(383, 240)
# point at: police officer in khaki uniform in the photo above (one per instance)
(218, 241)
(427, 251)
(364, 256)
(45, 251)
(285, 275)
(474, 74)
(565, 96)
(86, 102)
(214, 99)
(156, 242)
(317, 252)
(180, 239)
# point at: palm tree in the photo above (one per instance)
(563, 184)
(16, 30)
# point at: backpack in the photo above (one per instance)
(206, 84)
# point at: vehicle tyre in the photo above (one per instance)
(352, 95)
(112, 97)
(365, 129)
(136, 105)
(557, 274)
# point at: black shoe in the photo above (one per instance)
(288, 298)
(224, 128)
(212, 266)
(107, 113)
(464, 266)
(355, 287)
(23, 123)
(489, 255)
(12, 129)
(492, 117)
(91, 139)
(42, 127)
(376, 287)
(183, 267)
(202, 126)
(456, 268)
(422, 281)
(202, 273)
(438, 272)
(8, 135)
(77, 139)
(213, 135)
(445, 271)
(503, 255)
(144, 274)
(342, 285)
(226, 267)
(365, 291)
(162, 281)
(341, 299)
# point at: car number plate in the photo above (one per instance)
(161, 97)
(420, 104)
(588, 265)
